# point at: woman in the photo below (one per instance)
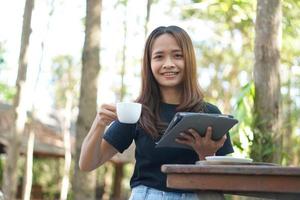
(169, 85)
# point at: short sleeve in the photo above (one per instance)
(120, 135)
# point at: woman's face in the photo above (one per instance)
(167, 62)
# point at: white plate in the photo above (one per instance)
(228, 159)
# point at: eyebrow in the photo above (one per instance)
(160, 51)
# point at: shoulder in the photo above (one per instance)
(211, 108)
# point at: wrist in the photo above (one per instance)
(98, 127)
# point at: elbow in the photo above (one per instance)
(84, 167)
(84, 163)
(87, 166)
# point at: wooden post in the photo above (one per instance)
(117, 183)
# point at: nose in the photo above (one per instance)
(168, 63)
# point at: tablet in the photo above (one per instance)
(183, 121)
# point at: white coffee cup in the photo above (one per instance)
(129, 112)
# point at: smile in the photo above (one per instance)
(170, 74)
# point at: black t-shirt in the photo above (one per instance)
(147, 170)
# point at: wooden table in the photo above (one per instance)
(275, 182)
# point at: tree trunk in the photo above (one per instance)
(67, 145)
(84, 183)
(107, 181)
(27, 181)
(117, 179)
(149, 3)
(267, 144)
(117, 184)
(10, 180)
(27, 184)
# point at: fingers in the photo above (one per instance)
(186, 138)
(107, 113)
(194, 139)
(208, 134)
(221, 142)
(195, 134)
(110, 107)
(183, 141)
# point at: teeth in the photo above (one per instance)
(170, 73)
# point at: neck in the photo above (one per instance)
(170, 95)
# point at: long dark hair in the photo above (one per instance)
(150, 96)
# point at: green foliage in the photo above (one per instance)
(227, 58)
(249, 139)
(66, 79)
(48, 173)
(1, 169)
(290, 59)
(7, 93)
(242, 136)
(228, 52)
(123, 2)
(263, 147)
(263, 143)
(230, 15)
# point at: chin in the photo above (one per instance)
(170, 85)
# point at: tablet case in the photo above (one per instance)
(183, 121)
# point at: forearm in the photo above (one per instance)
(90, 155)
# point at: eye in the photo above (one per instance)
(178, 55)
(157, 57)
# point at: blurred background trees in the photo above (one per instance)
(84, 183)
(224, 36)
(10, 178)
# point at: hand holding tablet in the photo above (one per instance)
(183, 121)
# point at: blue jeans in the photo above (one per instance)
(142, 192)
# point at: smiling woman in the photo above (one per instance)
(169, 85)
(168, 49)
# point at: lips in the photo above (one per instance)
(169, 74)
